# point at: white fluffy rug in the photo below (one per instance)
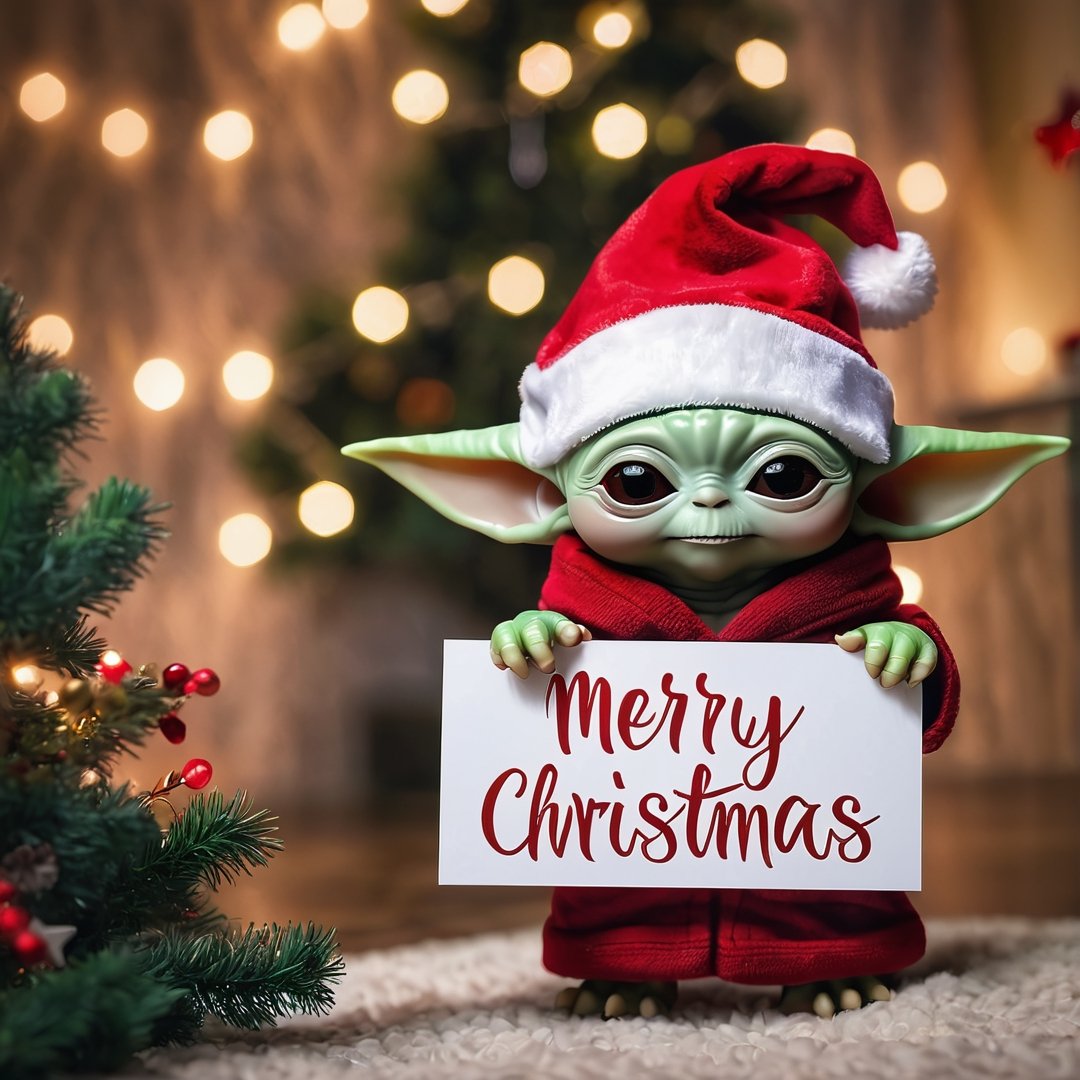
(992, 998)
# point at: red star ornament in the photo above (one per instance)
(1061, 137)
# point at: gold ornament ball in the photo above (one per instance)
(76, 695)
(111, 702)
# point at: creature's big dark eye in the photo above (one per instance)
(636, 483)
(786, 477)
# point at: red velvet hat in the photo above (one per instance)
(707, 296)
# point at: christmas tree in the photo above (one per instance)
(109, 941)
(561, 118)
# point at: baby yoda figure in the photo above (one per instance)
(709, 446)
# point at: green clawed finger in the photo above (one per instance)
(894, 651)
(529, 638)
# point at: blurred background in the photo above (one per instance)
(265, 230)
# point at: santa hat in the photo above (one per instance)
(706, 296)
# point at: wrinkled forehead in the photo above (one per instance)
(702, 437)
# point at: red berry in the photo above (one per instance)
(206, 682)
(29, 948)
(7, 890)
(196, 773)
(174, 676)
(173, 728)
(13, 920)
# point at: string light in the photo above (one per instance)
(159, 384)
(228, 135)
(245, 539)
(834, 140)
(42, 97)
(921, 187)
(247, 375)
(326, 508)
(124, 132)
(380, 314)
(612, 30)
(761, 63)
(300, 27)
(111, 658)
(911, 584)
(1024, 350)
(443, 8)
(51, 333)
(619, 131)
(545, 68)
(420, 96)
(28, 678)
(344, 14)
(515, 284)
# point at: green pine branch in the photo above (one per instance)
(247, 978)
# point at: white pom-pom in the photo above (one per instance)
(892, 288)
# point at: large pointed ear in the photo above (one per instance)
(477, 479)
(939, 478)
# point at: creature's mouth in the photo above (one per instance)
(709, 539)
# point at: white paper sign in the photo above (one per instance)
(680, 764)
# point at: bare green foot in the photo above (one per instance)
(598, 997)
(836, 995)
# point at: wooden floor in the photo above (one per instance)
(990, 847)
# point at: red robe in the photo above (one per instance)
(748, 936)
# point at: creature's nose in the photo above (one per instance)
(709, 497)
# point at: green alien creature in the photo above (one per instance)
(710, 449)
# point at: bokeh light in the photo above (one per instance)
(300, 27)
(761, 63)
(545, 68)
(228, 135)
(380, 314)
(51, 333)
(674, 134)
(344, 14)
(1024, 350)
(28, 677)
(326, 508)
(159, 384)
(247, 375)
(42, 97)
(443, 8)
(612, 30)
(515, 284)
(619, 131)
(911, 584)
(921, 187)
(245, 539)
(124, 132)
(425, 403)
(835, 140)
(420, 96)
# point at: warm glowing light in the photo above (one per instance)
(42, 97)
(28, 677)
(51, 333)
(159, 384)
(111, 658)
(443, 8)
(1024, 351)
(911, 584)
(300, 27)
(619, 131)
(612, 30)
(515, 284)
(921, 187)
(832, 139)
(420, 97)
(380, 314)
(124, 132)
(245, 539)
(761, 63)
(344, 14)
(326, 508)
(247, 375)
(228, 135)
(545, 68)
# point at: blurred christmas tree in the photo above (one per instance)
(562, 118)
(108, 940)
